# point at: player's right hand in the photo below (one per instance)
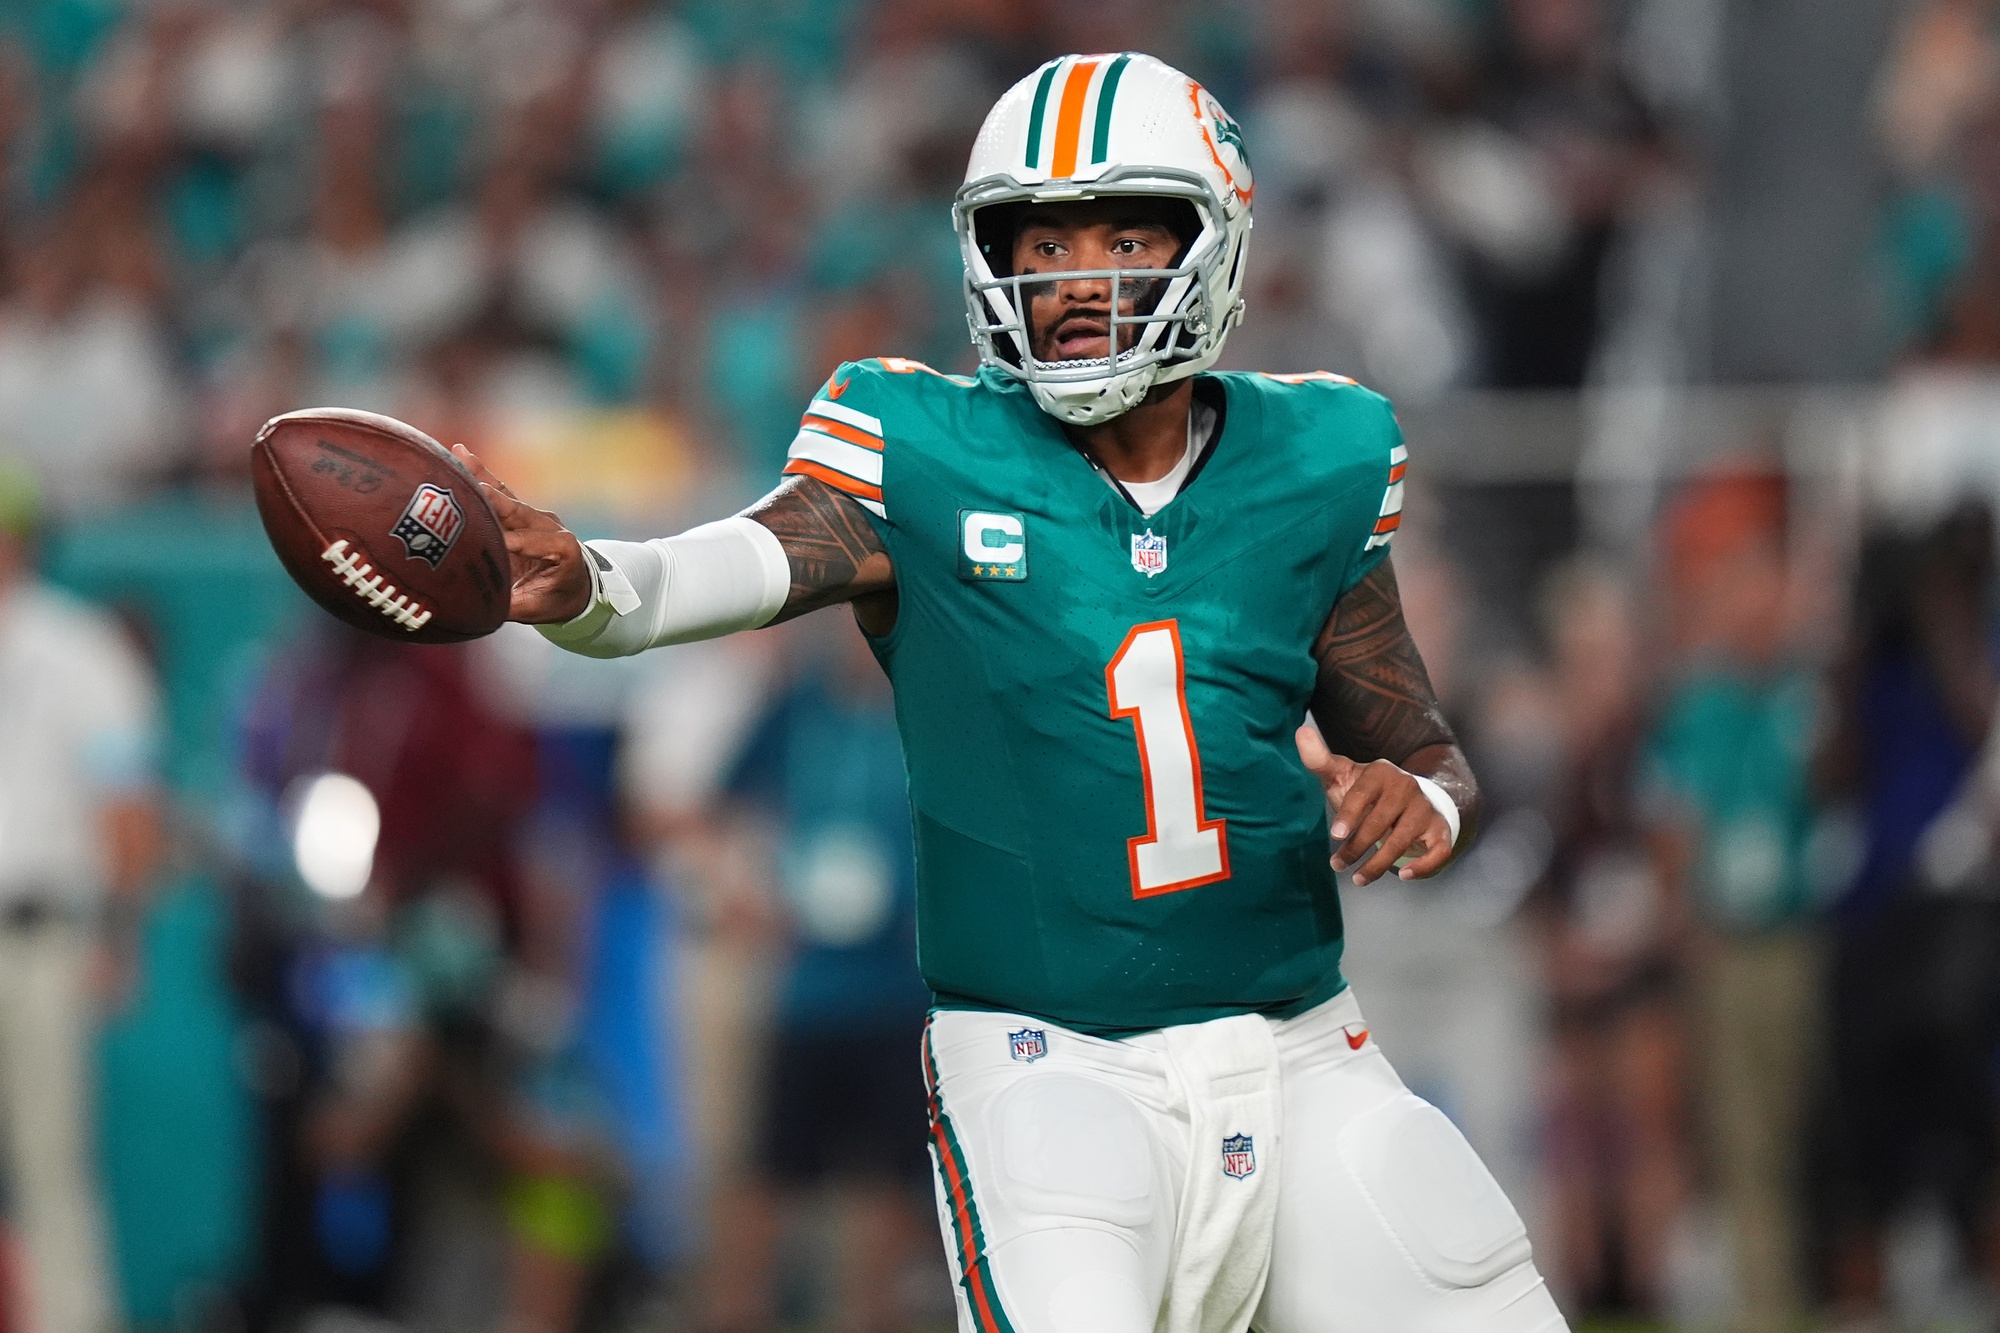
(551, 581)
(1380, 814)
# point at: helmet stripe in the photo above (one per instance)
(1102, 139)
(1069, 120)
(1035, 117)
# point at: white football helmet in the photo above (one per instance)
(1086, 127)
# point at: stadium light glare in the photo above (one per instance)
(333, 835)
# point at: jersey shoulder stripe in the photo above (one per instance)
(1390, 517)
(826, 408)
(842, 447)
(842, 436)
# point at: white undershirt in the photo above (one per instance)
(1153, 496)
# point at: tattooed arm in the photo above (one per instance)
(835, 553)
(801, 547)
(1380, 728)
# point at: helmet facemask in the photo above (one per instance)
(1177, 319)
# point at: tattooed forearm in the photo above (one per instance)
(836, 554)
(1374, 698)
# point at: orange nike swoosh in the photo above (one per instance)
(1354, 1040)
(835, 388)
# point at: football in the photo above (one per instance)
(381, 525)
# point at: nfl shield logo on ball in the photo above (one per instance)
(1149, 553)
(1028, 1045)
(1239, 1156)
(430, 523)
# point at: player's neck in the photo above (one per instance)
(1145, 443)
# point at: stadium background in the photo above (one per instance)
(1690, 308)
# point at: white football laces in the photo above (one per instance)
(373, 589)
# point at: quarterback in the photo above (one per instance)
(1108, 586)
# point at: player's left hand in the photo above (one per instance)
(1376, 805)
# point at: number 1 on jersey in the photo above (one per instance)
(1147, 680)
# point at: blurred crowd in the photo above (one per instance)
(352, 987)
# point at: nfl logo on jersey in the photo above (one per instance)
(1149, 553)
(430, 523)
(1028, 1045)
(1239, 1156)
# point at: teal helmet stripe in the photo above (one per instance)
(1101, 140)
(1041, 108)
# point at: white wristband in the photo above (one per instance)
(1443, 803)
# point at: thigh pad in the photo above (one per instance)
(1072, 1146)
(1433, 1193)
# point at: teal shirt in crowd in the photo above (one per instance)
(1730, 755)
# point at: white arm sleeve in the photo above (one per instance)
(709, 581)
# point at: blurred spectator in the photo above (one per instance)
(177, 1122)
(593, 1144)
(842, 1100)
(688, 719)
(87, 393)
(1618, 1155)
(79, 843)
(394, 787)
(1936, 108)
(1535, 186)
(1726, 784)
(1915, 983)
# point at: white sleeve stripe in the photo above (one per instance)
(1399, 454)
(872, 506)
(851, 459)
(1392, 501)
(826, 407)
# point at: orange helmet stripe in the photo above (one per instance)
(1069, 119)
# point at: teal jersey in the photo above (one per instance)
(1113, 827)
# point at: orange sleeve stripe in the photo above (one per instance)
(840, 481)
(1396, 472)
(840, 430)
(1069, 121)
(1387, 523)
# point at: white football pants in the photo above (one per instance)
(1070, 1175)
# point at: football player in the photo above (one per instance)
(1108, 588)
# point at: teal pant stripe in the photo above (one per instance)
(975, 1272)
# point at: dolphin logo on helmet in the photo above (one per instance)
(1089, 127)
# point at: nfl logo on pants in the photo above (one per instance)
(1239, 1156)
(1028, 1045)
